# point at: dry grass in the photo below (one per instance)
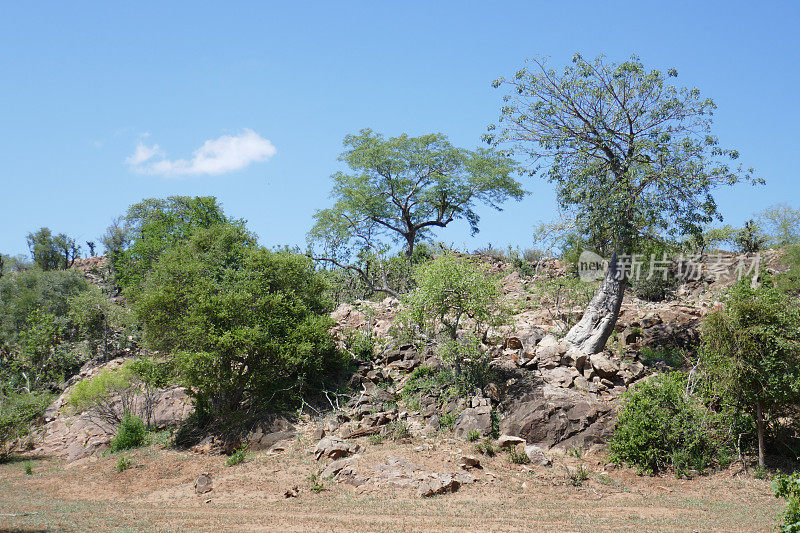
(157, 495)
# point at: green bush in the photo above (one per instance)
(788, 487)
(788, 281)
(237, 457)
(447, 421)
(486, 448)
(518, 457)
(28, 468)
(123, 463)
(398, 430)
(473, 435)
(661, 427)
(246, 325)
(654, 289)
(131, 433)
(18, 412)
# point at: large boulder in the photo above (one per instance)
(552, 416)
(334, 448)
(474, 419)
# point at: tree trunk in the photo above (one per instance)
(760, 427)
(591, 333)
(410, 238)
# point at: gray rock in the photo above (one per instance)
(438, 484)
(473, 419)
(336, 466)
(203, 484)
(334, 448)
(537, 455)
(605, 367)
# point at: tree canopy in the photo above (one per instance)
(751, 352)
(247, 326)
(404, 187)
(632, 158)
(152, 226)
(629, 153)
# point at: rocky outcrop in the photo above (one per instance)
(78, 435)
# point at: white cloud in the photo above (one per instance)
(143, 153)
(217, 156)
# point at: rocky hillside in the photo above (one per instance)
(544, 395)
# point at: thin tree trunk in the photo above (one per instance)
(591, 333)
(760, 427)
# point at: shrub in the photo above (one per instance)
(376, 439)
(18, 412)
(518, 457)
(788, 487)
(131, 433)
(447, 421)
(750, 354)
(660, 426)
(473, 435)
(398, 430)
(247, 326)
(654, 289)
(361, 344)
(788, 281)
(316, 485)
(486, 448)
(28, 468)
(123, 463)
(237, 457)
(577, 477)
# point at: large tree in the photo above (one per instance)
(52, 252)
(750, 353)
(404, 187)
(629, 153)
(153, 226)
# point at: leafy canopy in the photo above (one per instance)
(629, 153)
(751, 349)
(452, 288)
(246, 325)
(404, 187)
(153, 226)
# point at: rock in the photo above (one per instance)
(473, 419)
(560, 376)
(509, 441)
(203, 484)
(537, 455)
(336, 466)
(270, 439)
(555, 415)
(363, 432)
(294, 492)
(605, 367)
(437, 484)
(333, 448)
(632, 371)
(470, 461)
(576, 358)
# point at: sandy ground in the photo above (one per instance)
(157, 494)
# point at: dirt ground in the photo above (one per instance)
(157, 494)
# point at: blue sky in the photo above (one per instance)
(84, 83)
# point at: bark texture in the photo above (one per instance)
(591, 333)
